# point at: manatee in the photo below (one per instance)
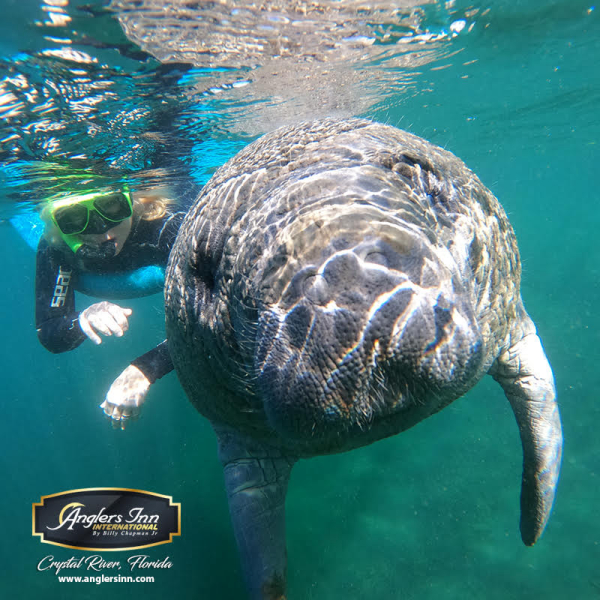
(335, 283)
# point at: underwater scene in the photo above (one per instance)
(151, 97)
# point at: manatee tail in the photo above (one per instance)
(525, 374)
(256, 478)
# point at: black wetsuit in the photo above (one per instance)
(57, 320)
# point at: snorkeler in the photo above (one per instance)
(109, 233)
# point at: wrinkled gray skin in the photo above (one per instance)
(336, 283)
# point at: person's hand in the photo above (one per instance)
(125, 397)
(105, 318)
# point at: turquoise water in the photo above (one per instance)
(429, 514)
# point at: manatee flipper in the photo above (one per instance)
(525, 374)
(256, 479)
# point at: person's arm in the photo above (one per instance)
(156, 363)
(128, 392)
(59, 326)
(56, 320)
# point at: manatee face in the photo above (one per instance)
(323, 291)
(364, 335)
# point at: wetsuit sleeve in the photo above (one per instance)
(156, 363)
(56, 319)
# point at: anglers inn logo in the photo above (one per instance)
(106, 519)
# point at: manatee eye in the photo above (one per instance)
(316, 290)
(378, 258)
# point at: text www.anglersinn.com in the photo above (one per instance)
(98, 579)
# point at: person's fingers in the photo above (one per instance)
(86, 327)
(121, 421)
(110, 410)
(129, 411)
(118, 424)
(105, 318)
(113, 414)
(93, 320)
(120, 315)
(106, 325)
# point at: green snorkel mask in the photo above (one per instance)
(89, 213)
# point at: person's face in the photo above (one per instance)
(118, 235)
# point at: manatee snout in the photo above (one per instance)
(360, 337)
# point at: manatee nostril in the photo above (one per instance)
(392, 250)
(378, 258)
(316, 290)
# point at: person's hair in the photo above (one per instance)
(149, 206)
(152, 204)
